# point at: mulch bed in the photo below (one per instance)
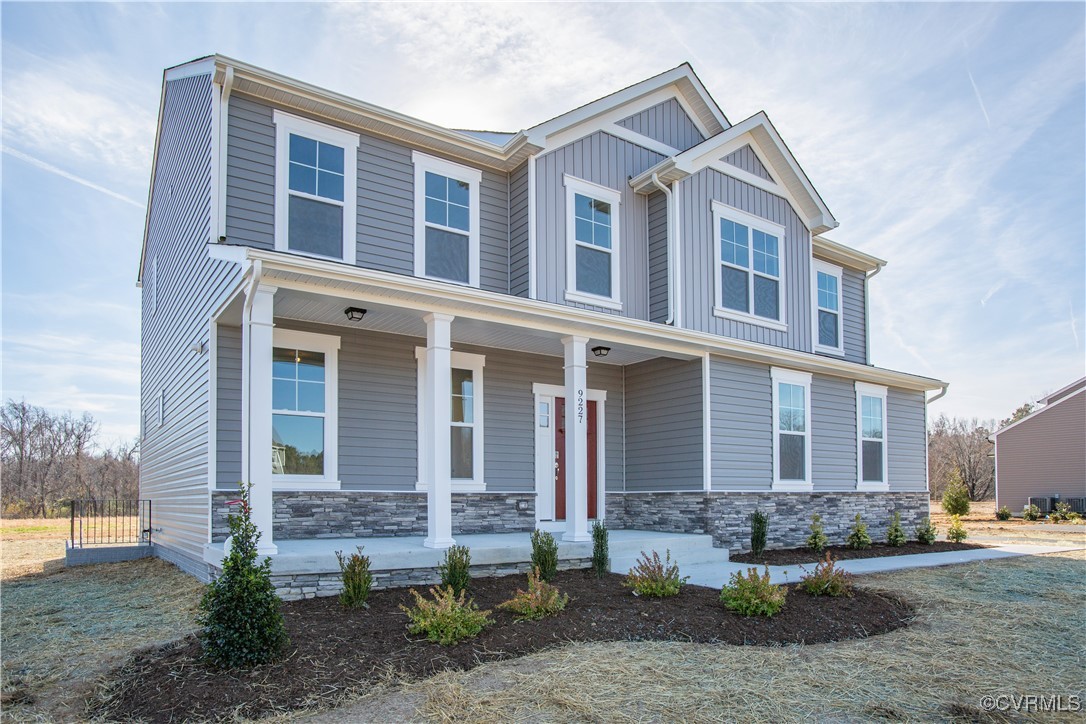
(334, 651)
(792, 556)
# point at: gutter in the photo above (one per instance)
(941, 393)
(672, 251)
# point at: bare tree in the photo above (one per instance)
(961, 445)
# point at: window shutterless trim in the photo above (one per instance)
(803, 379)
(473, 177)
(596, 192)
(724, 211)
(285, 125)
(459, 361)
(864, 389)
(835, 271)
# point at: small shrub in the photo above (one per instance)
(956, 496)
(1074, 517)
(753, 594)
(447, 618)
(455, 570)
(599, 549)
(926, 532)
(1031, 512)
(653, 577)
(895, 534)
(858, 536)
(241, 618)
(817, 540)
(539, 601)
(956, 532)
(759, 527)
(827, 580)
(1062, 512)
(357, 579)
(1004, 513)
(545, 554)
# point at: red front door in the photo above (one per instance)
(560, 459)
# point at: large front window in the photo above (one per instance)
(465, 420)
(871, 429)
(303, 405)
(748, 268)
(828, 308)
(592, 256)
(792, 429)
(446, 220)
(315, 188)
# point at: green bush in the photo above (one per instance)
(759, 528)
(1062, 512)
(455, 570)
(752, 594)
(357, 579)
(817, 540)
(1004, 513)
(599, 549)
(827, 580)
(926, 532)
(956, 496)
(1031, 512)
(447, 618)
(858, 536)
(1074, 517)
(545, 554)
(240, 617)
(539, 601)
(895, 534)
(653, 577)
(957, 531)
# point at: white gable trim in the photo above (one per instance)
(606, 120)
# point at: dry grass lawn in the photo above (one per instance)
(981, 525)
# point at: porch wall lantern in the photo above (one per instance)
(601, 351)
(354, 314)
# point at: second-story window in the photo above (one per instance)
(592, 244)
(827, 303)
(749, 270)
(315, 188)
(446, 220)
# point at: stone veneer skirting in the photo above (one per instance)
(362, 514)
(726, 515)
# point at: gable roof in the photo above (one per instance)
(1069, 392)
(1078, 384)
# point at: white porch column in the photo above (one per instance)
(257, 418)
(576, 439)
(436, 467)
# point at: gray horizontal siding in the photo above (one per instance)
(250, 174)
(228, 406)
(657, 240)
(699, 255)
(494, 232)
(854, 331)
(664, 425)
(665, 122)
(386, 206)
(741, 411)
(833, 433)
(608, 161)
(748, 161)
(906, 440)
(518, 232)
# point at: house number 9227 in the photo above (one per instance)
(580, 405)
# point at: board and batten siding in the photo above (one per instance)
(228, 372)
(608, 161)
(519, 255)
(658, 262)
(664, 425)
(746, 160)
(853, 309)
(189, 286)
(699, 256)
(386, 191)
(667, 123)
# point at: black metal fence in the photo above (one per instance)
(110, 522)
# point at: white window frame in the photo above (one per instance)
(460, 361)
(792, 377)
(286, 124)
(161, 407)
(723, 211)
(473, 177)
(328, 345)
(608, 195)
(864, 389)
(834, 271)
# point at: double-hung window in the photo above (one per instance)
(465, 423)
(749, 273)
(315, 188)
(871, 437)
(304, 407)
(446, 220)
(791, 429)
(827, 306)
(592, 244)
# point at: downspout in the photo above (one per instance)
(867, 316)
(942, 392)
(224, 133)
(672, 253)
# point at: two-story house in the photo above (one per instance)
(626, 313)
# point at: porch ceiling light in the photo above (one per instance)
(354, 314)
(601, 351)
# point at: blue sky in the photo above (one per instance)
(946, 138)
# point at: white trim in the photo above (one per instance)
(834, 271)
(864, 389)
(574, 186)
(748, 178)
(328, 345)
(473, 177)
(462, 361)
(779, 375)
(707, 423)
(531, 228)
(724, 211)
(544, 444)
(640, 139)
(286, 124)
(220, 152)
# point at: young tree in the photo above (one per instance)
(1023, 410)
(957, 446)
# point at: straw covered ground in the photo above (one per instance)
(982, 525)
